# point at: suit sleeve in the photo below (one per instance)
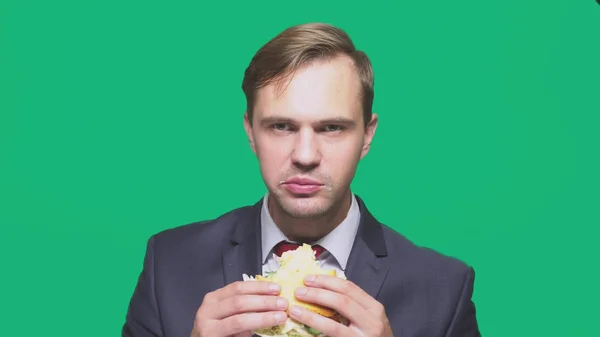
(464, 323)
(143, 317)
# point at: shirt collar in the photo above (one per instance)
(270, 233)
(338, 242)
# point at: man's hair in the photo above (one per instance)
(297, 46)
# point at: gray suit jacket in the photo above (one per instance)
(425, 293)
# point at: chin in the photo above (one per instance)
(304, 208)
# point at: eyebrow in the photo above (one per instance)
(335, 120)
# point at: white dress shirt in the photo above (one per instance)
(337, 243)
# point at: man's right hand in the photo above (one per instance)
(239, 308)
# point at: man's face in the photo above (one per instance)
(309, 137)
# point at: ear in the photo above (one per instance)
(248, 128)
(369, 135)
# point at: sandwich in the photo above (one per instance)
(294, 265)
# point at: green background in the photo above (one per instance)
(119, 119)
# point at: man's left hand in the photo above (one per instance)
(366, 315)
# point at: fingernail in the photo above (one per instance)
(301, 291)
(309, 278)
(282, 303)
(274, 287)
(280, 316)
(295, 311)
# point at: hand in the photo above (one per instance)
(239, 308)
(366, 315)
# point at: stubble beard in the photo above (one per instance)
(314, 207)
(309, 207)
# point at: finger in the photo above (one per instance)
(342, 286)
(249, 322)
(343, 304)
(243, 288)
(249, 303)
(323, 324)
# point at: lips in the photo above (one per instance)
(302, 181)
(302, 185)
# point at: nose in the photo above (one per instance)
(306, 152)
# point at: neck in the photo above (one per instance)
(307, 230)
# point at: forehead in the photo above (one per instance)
(319, 90)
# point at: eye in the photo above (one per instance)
(333, 128)
(280, 127)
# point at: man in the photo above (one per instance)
(309, 121)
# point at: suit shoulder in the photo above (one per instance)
(425, 285)
(212, 229)
(423, 259)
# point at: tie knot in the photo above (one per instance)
(284, 246)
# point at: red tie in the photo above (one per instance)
(284, 246)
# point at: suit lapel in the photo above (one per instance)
(365, 267)
(243, 256)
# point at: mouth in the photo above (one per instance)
(302, 186)
(302, 181)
